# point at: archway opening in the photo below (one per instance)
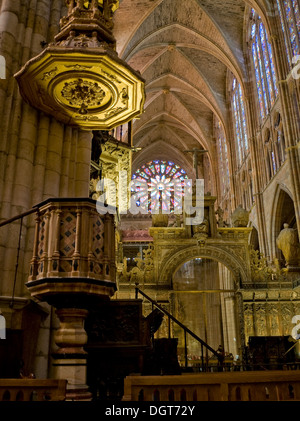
(285, 214)
(254, 239)
(204, 300)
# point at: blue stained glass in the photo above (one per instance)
(160, 189)
(143, 174)
(273, 162)
(266, 63)
(253, 30)
(240, 122)
(237, 128)
(243, 117)
(272, 68)
(297, 13)
(292, 30)
(266, 80)
(223, 159)
(283, 30)
(261, 74)
(258, 84)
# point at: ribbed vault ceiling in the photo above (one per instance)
(184, 50)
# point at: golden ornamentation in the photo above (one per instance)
(96, 95)
(82, 80)
(83, 94)
(142, 273)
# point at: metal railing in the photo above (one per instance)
(186, 330)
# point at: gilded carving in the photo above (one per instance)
(50, 74)
(248, 320)
(142, 273)
(273, 320)
(286, 318)
(260, 320)
(181, 254)
(83, 94)
(260, 270)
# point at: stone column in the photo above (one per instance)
(239, 315)
(84, 147)
(290, 102)
(70, 359)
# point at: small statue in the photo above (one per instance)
(287, 241)
(240, 217)
(201, 231)
(220, 214)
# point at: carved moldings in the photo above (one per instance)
(270, 313)
(143, 273)
(74, 250)
(83, 94)
(94, 91)
(180, 255)
(115, 160)
(79, 79)
(172, 233)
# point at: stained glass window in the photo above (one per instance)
(265, 75)
(159, 185)
(239, 117)
(223, 158)
(289, 12)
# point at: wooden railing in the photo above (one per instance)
(235, 386)
(32, 390)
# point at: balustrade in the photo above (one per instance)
(235, 386)
(32, 390)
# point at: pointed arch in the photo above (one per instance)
(283, 212)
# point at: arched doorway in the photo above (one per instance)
(203, 298)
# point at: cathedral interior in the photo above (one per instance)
(149, 196)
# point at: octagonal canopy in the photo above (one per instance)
(92, 89)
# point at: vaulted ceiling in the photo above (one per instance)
(184, 49)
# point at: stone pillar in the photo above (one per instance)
(239, 314)
(70, 359)
(84, 148)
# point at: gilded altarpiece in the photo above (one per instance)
(175, 244)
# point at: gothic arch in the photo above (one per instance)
(176, 258)
(283, 199)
